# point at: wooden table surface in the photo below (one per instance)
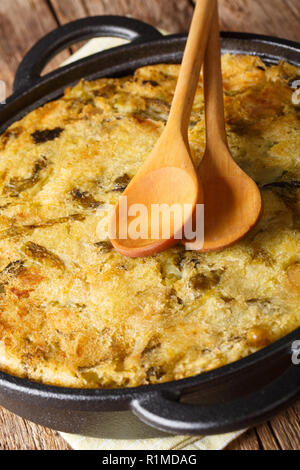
(22, 23)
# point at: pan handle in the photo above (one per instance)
(168, 414)
(29, 71)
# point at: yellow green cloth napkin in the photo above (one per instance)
(114, 423)
(161, 443)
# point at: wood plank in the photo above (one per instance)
(18, 434)
(273, 17)
(22, 23)
(282, 433)
(172, 15)
(69, 10)
(247, 441)
(267, 438)
(286, 428)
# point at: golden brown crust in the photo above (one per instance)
(73, 311)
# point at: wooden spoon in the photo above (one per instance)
(168, 176)
(232, 200)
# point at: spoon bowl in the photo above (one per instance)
(233, 202)
(149, 221)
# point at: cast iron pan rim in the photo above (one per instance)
(261, 38)
(29, 387)
(252, 37)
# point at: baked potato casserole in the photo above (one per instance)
(73, 311)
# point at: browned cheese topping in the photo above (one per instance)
(74, 312)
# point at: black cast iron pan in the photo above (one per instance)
(239, 395)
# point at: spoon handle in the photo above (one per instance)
(191, 65)
(213, 87)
